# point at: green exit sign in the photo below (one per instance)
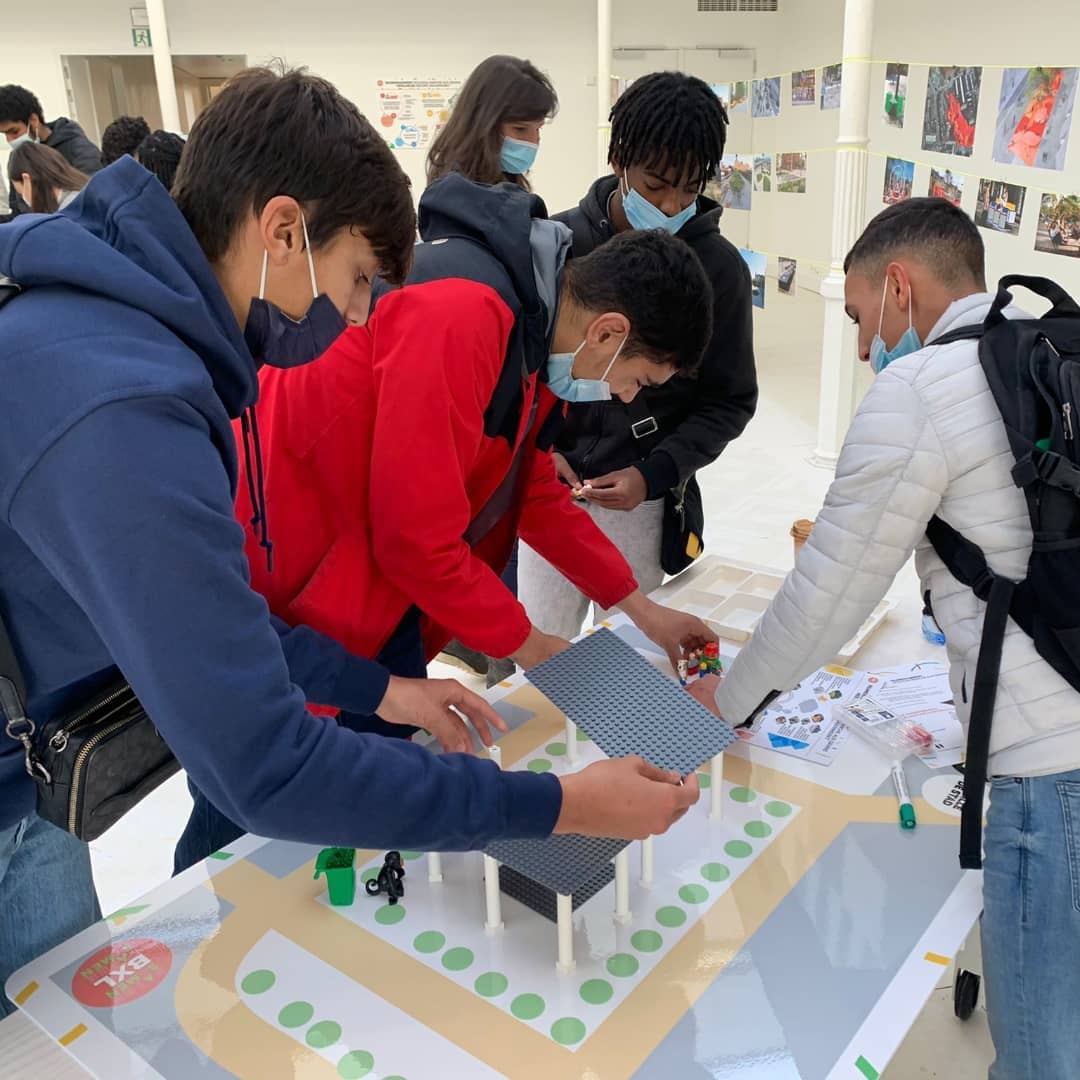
(140, 37)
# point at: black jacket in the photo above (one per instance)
(697, 417)
(69, 139)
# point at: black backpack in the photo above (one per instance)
(1033, 368)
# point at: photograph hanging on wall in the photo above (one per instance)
(1059, 225)
(733, 183)
(766, 98)
(791, 173)
(899, 180)
(785, 276)
(1034, 116)
(763, 172)
(804, 87)
(757, 262)
(945, 184)
(723, 92)
(740, 96)
(896, 80)
(1000, 206)
(831, 77)
(952, 107)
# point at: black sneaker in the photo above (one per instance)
(460, 656)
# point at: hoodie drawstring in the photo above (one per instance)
(249, 426)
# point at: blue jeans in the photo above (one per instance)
(209, 830)
(46, 893)
(1031, 926)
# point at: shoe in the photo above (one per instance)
(499, 671)
(460, 656)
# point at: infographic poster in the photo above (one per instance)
(1000, 206)
(1035, 116)
(413, 111)
(896, 87)
(952, 107)
(831, 78)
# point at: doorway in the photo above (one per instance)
(101, 88)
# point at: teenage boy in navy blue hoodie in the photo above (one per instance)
(124, 358)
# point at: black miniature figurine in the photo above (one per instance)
(389, 879)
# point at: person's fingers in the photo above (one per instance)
(608, 480)
(453, 735)
(478, 712)
(652, 772)
(689, 792)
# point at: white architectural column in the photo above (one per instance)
(564, 921)
(492, 896)
(622, 886)
(648, 863)
(838, 359)
(603, 83)
(434, 867)
(163, 69)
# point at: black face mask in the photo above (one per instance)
(282, 342)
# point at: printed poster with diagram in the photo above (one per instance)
(413, 111)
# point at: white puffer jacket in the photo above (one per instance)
(928, 438)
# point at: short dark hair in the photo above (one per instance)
(500, 90)
(17, 103)
(659, 284)
(160, 153)
(49, 172)
(935, 231)
(269, 133)
(669, 120)
(122, 137)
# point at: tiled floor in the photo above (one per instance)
(752, 494)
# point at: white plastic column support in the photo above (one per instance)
(492, 896)
(603, 84)
(571, 741)
(434, 867)
(163, 69)
(495, 753)
(716, 788)
(622, 886)
(836, 403)
(564, 919)
(648, 871)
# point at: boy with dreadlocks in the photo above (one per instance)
(633, 465)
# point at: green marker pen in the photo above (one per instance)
(907, 809)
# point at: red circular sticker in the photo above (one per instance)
(121, 972)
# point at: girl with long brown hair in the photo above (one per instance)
(494, 129)
(44, 179)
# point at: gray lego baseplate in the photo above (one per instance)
(627, 707)
(564, 863)
(542, 899)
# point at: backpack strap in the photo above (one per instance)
(961, 333)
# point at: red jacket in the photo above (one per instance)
(375, 462)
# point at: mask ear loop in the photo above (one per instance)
(881, 317)
(262, 276)
(310, 260)
(614, 358)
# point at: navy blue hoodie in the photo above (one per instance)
(120, 367)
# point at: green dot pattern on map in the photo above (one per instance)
(738, 849)
(622, 965)
(389, 914)
(646, 941)
(758, 829)
(596, 992)
(694, 894)
(429, 941)
(555, 749)
(568, 1030)
(777, 809)
(296, 1014)
(743, 794)
(457, 959)
(355, 1065)
(704, 780)
(539, 765)
(527, 1006)
(581, 736)
(323, 1034)
(258, 982)
(369, 875)
(491, 984)
(411, 856)
(714, 871)
(671, 916)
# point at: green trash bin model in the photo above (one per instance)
(337, 864)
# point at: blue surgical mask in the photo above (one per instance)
(517, 156)
(279, 341)
(910, 342)
(643, 215)
(21, 140)
(561, 381)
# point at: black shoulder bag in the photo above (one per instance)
(91, 765)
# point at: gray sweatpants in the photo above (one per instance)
(554, 605)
